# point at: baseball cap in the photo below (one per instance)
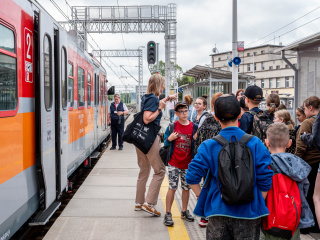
(227, 107)
(180, 103)
(254, 93)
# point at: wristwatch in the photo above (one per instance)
(159, 110)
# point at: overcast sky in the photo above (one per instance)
(201, 25)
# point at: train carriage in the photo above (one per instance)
(53, 110)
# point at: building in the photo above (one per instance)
(308, 68)
(271, 72)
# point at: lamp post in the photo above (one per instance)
(140, 83)
(234, 46)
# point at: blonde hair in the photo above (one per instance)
(278, 135)
(188, 99)
(155, 84)
(287, 120)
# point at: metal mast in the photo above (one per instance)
(130, 19)
(234, 46)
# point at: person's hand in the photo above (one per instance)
(162, 104)
(109, 121)
(173, 136)
(174, 97)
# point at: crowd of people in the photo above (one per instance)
(203, 139)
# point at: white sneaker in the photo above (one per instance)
(137, 207)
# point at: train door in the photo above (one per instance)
(103, 102)
(47, 107)
(96, 107)
(61, 108)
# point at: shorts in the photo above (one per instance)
(173, 175)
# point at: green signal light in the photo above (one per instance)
(151, 44)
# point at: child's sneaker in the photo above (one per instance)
(168, 220)
(150, 209)
(187, 216)
(203, 222)
(138, 207)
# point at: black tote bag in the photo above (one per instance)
(140, 134)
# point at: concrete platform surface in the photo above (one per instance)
(103, 207)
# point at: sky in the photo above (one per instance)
(201, 26)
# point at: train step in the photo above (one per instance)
(43, 217)
(95, 154)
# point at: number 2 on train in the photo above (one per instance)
(28, 56)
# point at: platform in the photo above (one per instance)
(103, 207)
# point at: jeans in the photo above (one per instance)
(226, 228)
(171, 113)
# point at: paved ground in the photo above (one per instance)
(103, 206)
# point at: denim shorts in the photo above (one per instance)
(173, 175)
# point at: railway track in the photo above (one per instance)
(75, 181)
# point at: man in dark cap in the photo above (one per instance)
(253, 96)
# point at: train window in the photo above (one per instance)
(89, 91)
(80, 87)
(64, 88)
(47, 56)
(70, 85)
(8, 82)
(7, 39)
(96, 90)
(101, 90)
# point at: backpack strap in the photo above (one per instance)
(171, 127)
(221, 140)
(245, 138)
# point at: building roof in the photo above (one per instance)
(304, 42)
(202, 72)
(256, 47)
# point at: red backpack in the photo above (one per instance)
(284, 204)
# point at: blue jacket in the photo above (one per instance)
(246, 120)
(312, 140)
(167, 142)
(298, 170)
(210, 202)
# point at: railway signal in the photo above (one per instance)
(151, 52)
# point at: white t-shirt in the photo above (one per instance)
(124, 107)
(170, 105)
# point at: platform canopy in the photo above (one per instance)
(302, 43)
(201, 73)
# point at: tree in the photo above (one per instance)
(162, 67)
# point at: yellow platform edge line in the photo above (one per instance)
(179, 230)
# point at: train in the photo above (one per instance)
(53, 112)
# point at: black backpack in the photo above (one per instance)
(208, 130)
(164, 152)
(235, 170)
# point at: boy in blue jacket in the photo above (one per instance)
(228, 221)
(294, 167)
(181, 153)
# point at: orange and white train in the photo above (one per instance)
(53, 108)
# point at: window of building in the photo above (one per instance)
(255, 66)
(262, 83)
(262, 66)
(8, 72)
(270, 67)
(254, 53)
(70, 85)
(278, 67)
(254, 82)
(278, 82)
(80, 87)
(287, 82)
(89, 91)
(248, 68)
(287, 66)
(248, 54)
(64, 74)
(47, 58)
(219, 59)
(262, 52)
(271, 83)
